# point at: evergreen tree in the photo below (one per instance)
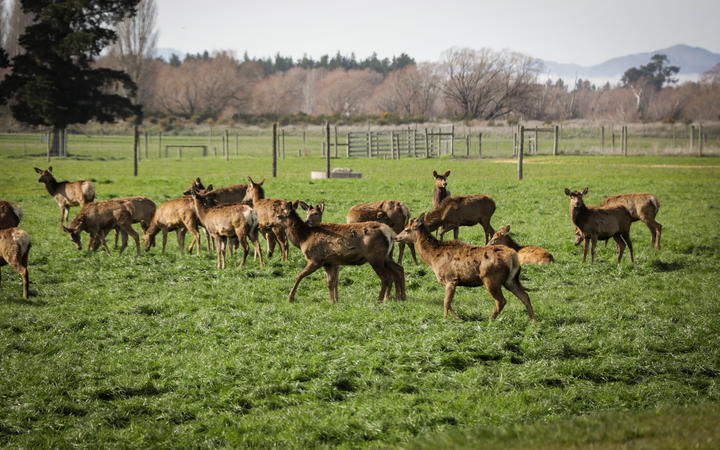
(53, 83)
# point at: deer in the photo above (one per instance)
(143, 212)
(66, 193)
(458, 264)
(528, 254)
(313, 214)
(331, 245)
(224, 221)
(10, 214)
(390, 212)
(176, 214)
(14, 250)
(462, 210)
(640, 206)
(267, 210)
(440, 192)
(221, 196)
(598, 222)
(97, 219)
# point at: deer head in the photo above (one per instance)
(576, 197)
(441, 180)
(411, 230)
(313, 213)
(74, 232)
(45, 175)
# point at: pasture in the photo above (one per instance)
(167, 351)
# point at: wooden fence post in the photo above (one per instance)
(535, 149)
(160, 145)
(700, 139)
(274, 150)
(479, 144)
(467, 144)
(427, 144)
(282, 140)
(556, 140)
(626, 140)
(336, 142)
(692, 137)
(227, 145)
(520, 152)
(602, 139)
(237, 145)
(327, 153)
(452, 141)
(136, 145)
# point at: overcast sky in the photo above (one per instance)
(573, 31)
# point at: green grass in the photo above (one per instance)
(167, 351)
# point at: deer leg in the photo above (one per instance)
(412, 253)
(309, 268)
(281, 239)
(518, 291)
(270, 239)
(117, 231)
(101, 237)
(129, 229)
(489, 231)
(180, 232)
(655, 229)
(164, 233)
(382, 272)
(585, 248)
(496, 293)
(620, 246)
(447, 307)
(626, 238)
(456, 234)
(593, 243)
(401, 250)
(243, 243)
(331, 279)
(256, 245)
(398, 274)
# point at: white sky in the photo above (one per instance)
(573, 31)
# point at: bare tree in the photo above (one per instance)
(17, 21)
(410, 91)
(346, 92)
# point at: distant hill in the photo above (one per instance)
(692, 61)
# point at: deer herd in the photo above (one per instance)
(230, 216)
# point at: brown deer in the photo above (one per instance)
(529, 254)
(267, 210)
(313, 213)
(597, 222)
(98, 218)
(177, 214)
(143, 212)
(220, 196)
(440, 192)
(14, 250)
(640, 206)
(224, 221)
(462, 210)
(10, 214)
(66, 193)
(390, 212)
(458, 264)
(330, 245)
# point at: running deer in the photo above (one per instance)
(10, 214)
(462, 210)
(440, 191)
(66, 193)
(267, 210)
(177, 215)
(330, 245)
(458, 264)
(14, 250)
(529, 254)
(598, 222)
(224, 221)
(390, 212)
(98, 218)
(640, 206)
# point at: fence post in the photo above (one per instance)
(274, 150)
(613, 140)
(327, 153)
(347, 149)
(136, 144)
(304, 148)
(227, 145)
(452, 141)
(622, 140)
(692, 137)
(282, 134)
(237, 145)
(700, 139)
(625, 142)
(520, 152)
(535, 149)
(602, 139)
(336, 142)
(556, 140)
(427, 142)
(467, 144)
(479, 145)
(160, 145)
(368, 144)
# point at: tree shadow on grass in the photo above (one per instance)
(672, 266)
(25, 302)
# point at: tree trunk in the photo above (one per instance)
(56, 142)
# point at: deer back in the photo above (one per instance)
(10, 214)
(343, 244)
(640, 206)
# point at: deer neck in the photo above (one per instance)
(438, 196)
(578, 213)
(52, 186)
(200, 209)
(432, 220)
(425, 242)
(297, 230)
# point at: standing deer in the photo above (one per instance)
(440, 192)
(177, 214)
(98, 218)
(529, 254)
(224, 221)
(14, 250)
(66, 193)
(640, 206)
(143, 212)
(462, 210)
(598, 222)
(10, 214)
(267, 210)
(390, 212)
(330, 245)
(220, 196)
(313, 214)
(458, 264)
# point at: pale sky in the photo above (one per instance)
(575, 31)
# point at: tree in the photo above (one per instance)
(648, 79)
(53, 83)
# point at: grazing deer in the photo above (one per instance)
(66, 193)
(143, 212)
(462, 210)
(267, 210)
(440, 192)
(640, 206)
(98, 218)
(220, 196)
(390, 212)
(529, 254)
(597, 222)
(330, 245)
(458, 264)
(14, 250)
(176, 214)
(224, 221)
(10, 214)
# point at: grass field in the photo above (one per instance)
(167, 351)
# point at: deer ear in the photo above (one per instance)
(567, 192)
(505, 229)
(259, 183)
(435, 174)
(38, 170)
(50, 169)
(209, 187)
(447, 174)
(250, 180)
(420, 220)
(197, 180)
(321, 206)
(67, 230)
(585, 190)
(303, 205)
